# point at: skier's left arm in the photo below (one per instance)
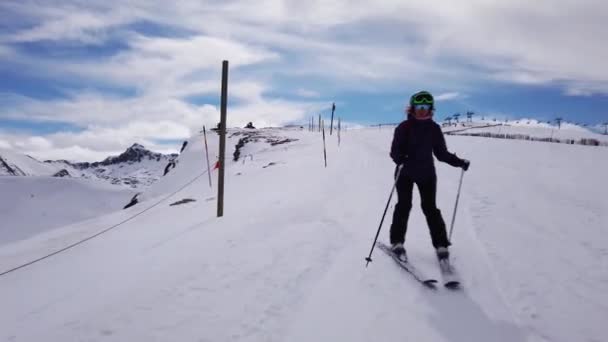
(440, 150)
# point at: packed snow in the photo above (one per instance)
(286, 262)
(31, 205)
(565, 133)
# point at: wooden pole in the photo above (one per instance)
(331, 125)
(324, 149)
(339, 128)
(319, 123)
(207, 154)
(220, 183)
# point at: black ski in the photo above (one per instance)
(406, 265)
(451, 280)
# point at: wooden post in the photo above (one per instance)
(319, 123)
(207, 154)
(339, 132)
(220, 183)
(331, 125)
(324, 149)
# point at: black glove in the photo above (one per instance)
(465, 164)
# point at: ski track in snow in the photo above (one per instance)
(540, 210)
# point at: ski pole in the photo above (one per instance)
(369, 258)
(455, 207)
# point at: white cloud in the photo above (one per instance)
(110, 125)
(89, 146)
(586, 88)
(173, 117)
(579, 91)
(532, 42)
(346, 40)
(171, 66)
(38, 143)
(73, 153)
(307, 93)
(340, 46)
(5, 51)
(267, 113)
(447, 96)
(95, 109)
(83, 27)
(479, 31)
(87, 23)
(349, 41)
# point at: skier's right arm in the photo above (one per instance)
(399, 145)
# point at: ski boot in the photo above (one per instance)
(442, 253)
(399, 251)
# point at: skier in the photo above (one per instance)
(415, 141)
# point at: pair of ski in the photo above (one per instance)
(448, 273)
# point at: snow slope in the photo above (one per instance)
(32, 205)
(286, 262)
(529, 127)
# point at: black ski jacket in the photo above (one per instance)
(414, 143)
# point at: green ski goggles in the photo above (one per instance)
(422, 98)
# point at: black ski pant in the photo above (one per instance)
(428, 194)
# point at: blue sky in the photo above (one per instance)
(83, 79)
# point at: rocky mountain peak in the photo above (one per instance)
(137, 146)
(135, 153)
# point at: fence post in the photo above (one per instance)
(207, 154)
(331, 125)
(339, 129)
(319, 123)
(220, 184)
(324, 149)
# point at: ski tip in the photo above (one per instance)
(452, 285)
(430, 283)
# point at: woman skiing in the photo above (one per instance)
(414, 142)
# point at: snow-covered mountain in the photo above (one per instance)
(136, 167)
(286, 261)
(15, 164)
